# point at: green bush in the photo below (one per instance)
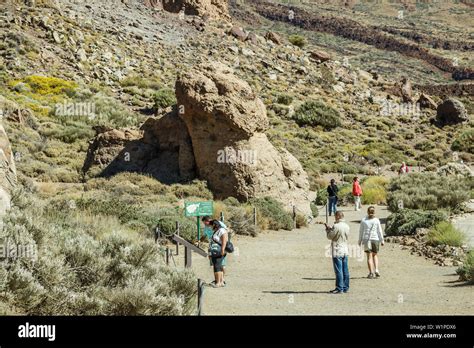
(427, 191)
(284, 99)
(297, 40)
(466, 271)
(163, 98)
(445, 233)
(374, 190)
(406, 221)
(301, 221)
(315, 113)
(273, 210)
(86, 265)
(464, 142)
(241, 220)
(314, 209)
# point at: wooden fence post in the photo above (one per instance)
(177, 232)
(255, 218)
(199, 297)
(327, 207)
(294, 216)
(187, 257)
(167, 255)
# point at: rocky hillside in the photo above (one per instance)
(119, 111)
(115, 64)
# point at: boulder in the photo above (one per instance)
(451, 111)
(7, 174)
(320, 56)
(406, 91)
(160, 149)
(253, 38)
(217, 9)
(274, 37)
(426, 102)
(238, 33)
(226, 122)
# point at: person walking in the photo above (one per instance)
(357, 193)
(217, 252)
(332, 196)
(371, 235)
(338, 234)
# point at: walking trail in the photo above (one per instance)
(289, 273)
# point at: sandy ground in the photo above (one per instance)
(289, 273)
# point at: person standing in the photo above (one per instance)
(371, 235)
(357, 193)
(338, 234)
(217, 252)
(403, 169)
(332, 197)
(208, 231)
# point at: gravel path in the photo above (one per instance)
(287, 273)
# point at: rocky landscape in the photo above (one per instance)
(115, 113)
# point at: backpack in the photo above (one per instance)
(229, 246)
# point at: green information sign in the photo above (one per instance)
(198, 208)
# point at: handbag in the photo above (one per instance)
(215, 250)
(229, 248)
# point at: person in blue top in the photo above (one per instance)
(208, 231)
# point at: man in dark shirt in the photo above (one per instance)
(332, 195)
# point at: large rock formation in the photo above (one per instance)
(201, 8)
(451, 111)
(226, 122)
(216, 133)
(7, 173)
(161, 149)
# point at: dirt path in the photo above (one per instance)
(287, 273)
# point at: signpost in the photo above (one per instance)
(198, 209)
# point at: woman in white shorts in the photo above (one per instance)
(371, 235)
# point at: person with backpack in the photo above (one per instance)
(371, 235)
(332, 197)
(339, 234)
(217, 252)
(208, 231)
(357, 193)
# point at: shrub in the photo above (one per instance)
(315, 113)
(80, 271)
(241, 220)
(297, 40)
(301, 221)
(406, 221)
(274, 212)
(374, 190)
(44, 85)
(427, 191)
(284, 99)
(163, 98)
(466, 271)
(464, 142)
(314, 209)
(445, 233)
